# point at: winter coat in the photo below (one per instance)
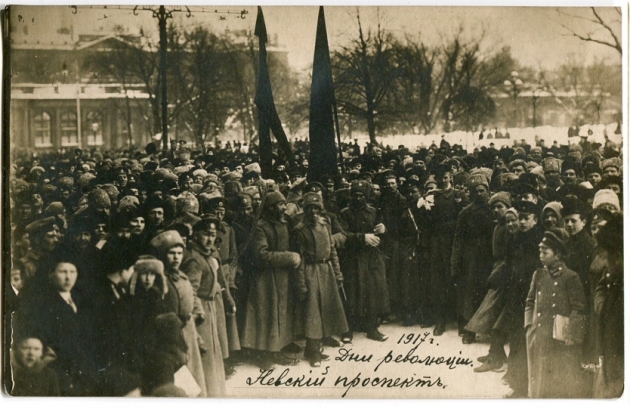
(244, 269)
(441, 223)
(113, 324)
(499, 242)
(165, 352)
(47, 316)
(182, 301)
(609, 313)
(226, 246)
(318, 276)
(363, 266)
(554, 368)
(581, 248)
(597, 270)
(471, 259)
(393, 205)
(412, 258)
(268, 322)
(523, 260)
(146, 305)
(338, 235)
(37, 381)
(227, 252)
(202, 267)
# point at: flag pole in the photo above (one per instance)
(334, 105)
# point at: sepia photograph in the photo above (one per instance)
(304, 201)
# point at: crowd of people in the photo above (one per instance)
(135, 269)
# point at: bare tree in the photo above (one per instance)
(448, 84)
(599, 25)
(365, 76)
(203, 82)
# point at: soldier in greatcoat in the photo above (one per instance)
(203, 268)
(268, 324)
(363, 265)
(317, 280)
(441, 210)
(471, 259)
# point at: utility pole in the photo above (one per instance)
(162, 16)
(79, 120)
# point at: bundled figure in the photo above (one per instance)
(317, 280)
(554, 320)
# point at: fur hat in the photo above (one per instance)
(461, 178)
(200, 172)
(570, 163)
(313, 199)
(111, 190)
(187, 202)
(128, 201)
(149, 264)
(273, 198)
(360, 186)
(478, 179)
(243, 200)
(253, 167)
(84, 180)
(551, 165)
(100, 198)
(65, 183)
(166, 240)
(606, 196)
(503, 197)
(612, 162)
(572, 205)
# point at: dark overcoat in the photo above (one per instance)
(363, 266)
(471, 259)
(441, 221)
(268, 323)
(581, 248)
(609, 313)
(393, 205)
(521, 263)
(47, 316)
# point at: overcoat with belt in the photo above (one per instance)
(268, 323)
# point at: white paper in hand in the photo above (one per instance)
(185, 380)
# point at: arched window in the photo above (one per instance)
(69, 134)
(94, 128)
(42, 129)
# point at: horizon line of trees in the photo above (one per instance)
(383, 83)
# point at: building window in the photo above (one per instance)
(42, 129)
(69, 134)
(94, 128)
